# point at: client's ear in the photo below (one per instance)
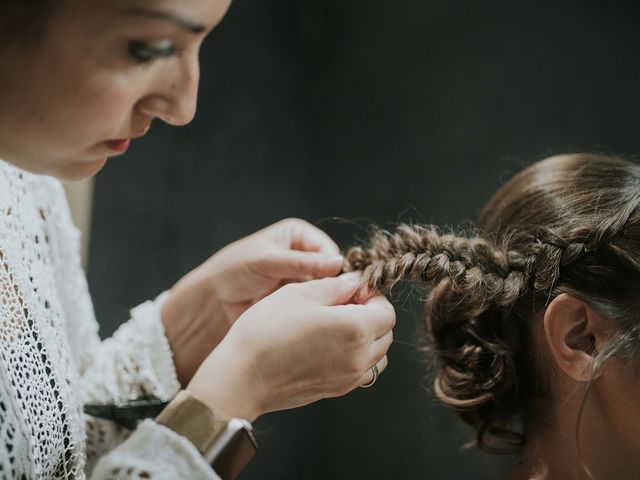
(573, 330)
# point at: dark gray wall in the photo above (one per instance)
(371, 111)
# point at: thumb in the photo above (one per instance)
(300, 266)
(332, 290)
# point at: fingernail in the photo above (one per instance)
(337, 259)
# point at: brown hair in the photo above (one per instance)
(569, 224)
(22, 19)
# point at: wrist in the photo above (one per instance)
(188, 416)
(225, 384)
(227, 444)
(194, 323)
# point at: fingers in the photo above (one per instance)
(302, 252)
(385, 314)
(377, 316)
(301, 266)
(381, 346)
(376, 352)
(330, 291)
(369, 378)
(379, 350)
(308, 238)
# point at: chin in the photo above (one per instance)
(80, 171)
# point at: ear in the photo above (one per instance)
(572, 330)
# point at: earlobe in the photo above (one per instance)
(571, 333)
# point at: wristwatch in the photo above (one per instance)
(227, 444)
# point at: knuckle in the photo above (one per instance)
(299, 265)
(312, 267)
(353, 368)
(391, 337)
(293, 222)
(325, 287)
(382, 310)
(388, 316)
(388, 311)
(264, 261)
(392, 318)
(360, 365)
(355, 333)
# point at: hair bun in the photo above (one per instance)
(472, 343)
(473, 283)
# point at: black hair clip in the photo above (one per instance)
(129, 413)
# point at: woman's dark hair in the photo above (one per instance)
(22, 18)
(567, 224)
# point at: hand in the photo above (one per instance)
(248, 270)
(303, 343)
(204, 304)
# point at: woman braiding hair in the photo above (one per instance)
(264, 324)
(522, 315)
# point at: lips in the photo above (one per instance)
(119, 146)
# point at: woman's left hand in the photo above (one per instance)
(204, 304)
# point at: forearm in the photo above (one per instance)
(194, 321)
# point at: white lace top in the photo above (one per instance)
(52, 360)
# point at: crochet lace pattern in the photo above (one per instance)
(52, 360)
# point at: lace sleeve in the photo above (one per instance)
(136, 361)
(155, 452)
(52, 360)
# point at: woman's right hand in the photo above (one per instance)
(304, 342)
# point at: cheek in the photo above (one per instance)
(82, 97)
(74, 101)
(624, 398)
(60, 124)
(92, 110)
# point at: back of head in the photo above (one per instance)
(567, 224)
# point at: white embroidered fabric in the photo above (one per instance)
(52, 360)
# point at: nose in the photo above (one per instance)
(174, 91)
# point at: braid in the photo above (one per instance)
(569, 224)
(473, 283)
(422, 255)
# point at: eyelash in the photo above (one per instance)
(143, 52)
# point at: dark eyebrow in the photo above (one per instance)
(167, 16)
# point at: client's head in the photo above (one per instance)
(533, 320)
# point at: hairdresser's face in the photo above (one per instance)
(103, 71)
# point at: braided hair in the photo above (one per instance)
(568, 224)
